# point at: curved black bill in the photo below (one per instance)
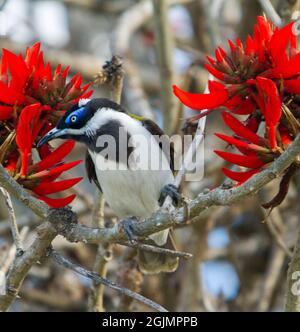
(52, 134)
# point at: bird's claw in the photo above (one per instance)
(172, 191)
(127, 226)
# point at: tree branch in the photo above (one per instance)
(162, 220)
(22, 264)
(96, 278)
(13, 221)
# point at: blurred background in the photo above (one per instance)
(240, 254)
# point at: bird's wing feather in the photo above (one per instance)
(90, 169)
(154, 129)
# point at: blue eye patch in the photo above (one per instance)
(76, 119)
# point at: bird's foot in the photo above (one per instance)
(172, 191)
(127, 226)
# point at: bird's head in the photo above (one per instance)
(82, 121)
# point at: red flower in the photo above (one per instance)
(261, 80)
(32, 99)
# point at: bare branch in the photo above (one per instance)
(162, 220)
(13, 221)
(95, 277)
(22, 264)
(159, 250)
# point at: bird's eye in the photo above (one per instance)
(73, 118)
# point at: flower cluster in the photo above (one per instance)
(32, 99)
(260, 80)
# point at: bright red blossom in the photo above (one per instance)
(261, 80)
(32, 99)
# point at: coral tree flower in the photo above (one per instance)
(32, 99)
(260, 80)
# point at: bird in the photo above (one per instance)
(134, 179)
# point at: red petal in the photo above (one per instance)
(57, 202)
(25, 154)
(27, 125)
(85, 95)
(10, 96)
(240, 144)
(292, 86)
(231, 45)
(54, 187)
(55, 170)
(6, 112)
(279, 43)
(239, 176)
(32, 54)
(240, 129)
(201, 101)
(270, 104)
(210, 60)
(214, 86)
(245, 161)
(65, 72)
(18, 69)
(240, 106)
(219, 75)
(287, 69)
(55, 157)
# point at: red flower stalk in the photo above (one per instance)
(259, 79)
(32, 99)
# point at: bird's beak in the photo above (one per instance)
(52, 134)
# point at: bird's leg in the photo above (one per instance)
(177, 199)
(127, 225)
(172, 191)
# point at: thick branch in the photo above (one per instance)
(162, 220)
(22, 264)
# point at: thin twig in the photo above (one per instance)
(159, 250)
(95, 277)
(13, 222)
(278, 237)
(273, 273)
(271, 12)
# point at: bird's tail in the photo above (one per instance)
(152, 263)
